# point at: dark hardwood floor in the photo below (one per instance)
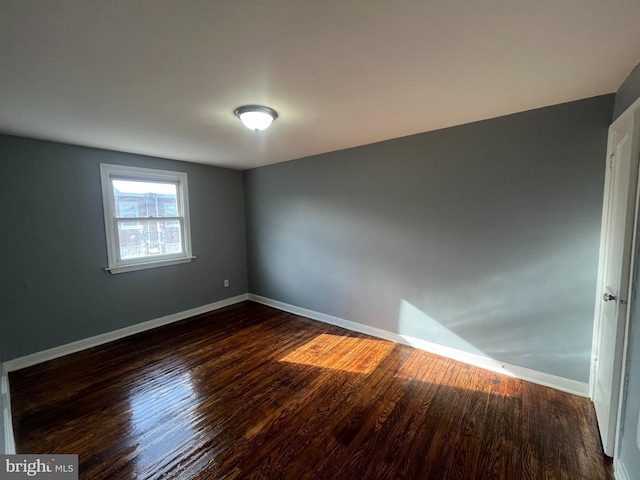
(252, 392)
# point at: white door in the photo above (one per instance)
(613, 275)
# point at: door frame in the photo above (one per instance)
(621, 374)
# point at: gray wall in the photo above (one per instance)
(628, 92)
(629, 453)
(482, 237)
(52, 280)
(2, 407)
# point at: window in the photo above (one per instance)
(146, 216)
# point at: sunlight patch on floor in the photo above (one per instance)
(416, 367)
(349, 354)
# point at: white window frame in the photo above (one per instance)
(109, 172)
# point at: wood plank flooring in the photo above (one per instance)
(249, 392)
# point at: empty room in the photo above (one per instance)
(319, 240)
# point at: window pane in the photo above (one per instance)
(128, 209)
(149, 238)
(145, 199)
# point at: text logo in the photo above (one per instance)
(49, 467)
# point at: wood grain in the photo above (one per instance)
(249, 392)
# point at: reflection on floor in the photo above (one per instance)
(253, 392)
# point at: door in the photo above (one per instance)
(619, 206)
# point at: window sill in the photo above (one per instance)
(146, 265)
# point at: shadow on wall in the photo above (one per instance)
(529, 317)
(413, 322)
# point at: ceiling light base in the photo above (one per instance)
(256, 117)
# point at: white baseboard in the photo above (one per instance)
(619, 471)
(5, 395)
(56, 352)
(523, 373)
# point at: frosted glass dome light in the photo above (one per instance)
(256, 117)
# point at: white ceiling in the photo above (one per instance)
(163, 77)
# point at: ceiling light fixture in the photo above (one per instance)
(256, 117)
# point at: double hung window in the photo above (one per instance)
(146, 215)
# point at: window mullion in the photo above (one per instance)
(147, 219)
